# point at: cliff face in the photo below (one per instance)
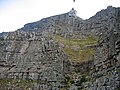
(63, 52)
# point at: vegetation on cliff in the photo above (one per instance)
(78, 50)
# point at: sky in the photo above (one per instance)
(15, 13)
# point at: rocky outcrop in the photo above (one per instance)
(63, 52)
(46, 23)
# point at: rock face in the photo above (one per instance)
(63, 52)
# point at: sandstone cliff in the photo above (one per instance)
(63, 52)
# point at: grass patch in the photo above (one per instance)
(76, 48)
(16, 83)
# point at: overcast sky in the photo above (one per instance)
(15, 13)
